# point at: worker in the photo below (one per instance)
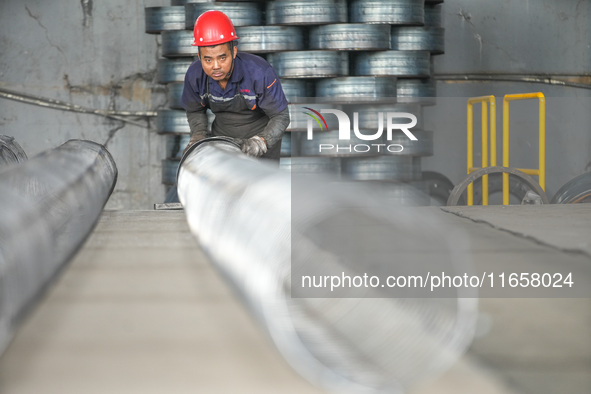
(241, 89)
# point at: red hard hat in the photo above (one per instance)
(213, 28)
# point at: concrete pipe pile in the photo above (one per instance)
(310, 64)
(306, 12)
(48, 205)
(159, 19)
(350, 37)
(240, 13)
(10, 152)
(393, 12)
(265, 39)
(349, 339)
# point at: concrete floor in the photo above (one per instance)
(141, 310)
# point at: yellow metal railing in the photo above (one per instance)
(490, 102)
(541, 170)
(484, 100)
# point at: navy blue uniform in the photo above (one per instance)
(252, 96)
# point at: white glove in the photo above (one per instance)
(254, 146)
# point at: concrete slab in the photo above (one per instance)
(564, 226)
(141, 310)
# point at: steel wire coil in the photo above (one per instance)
(418, 38)
(311, 165)
(48, 205)
(575, 191)
(393, 12)
(10, 152)
(369, 116)
(175, 144)
(306, 12)
(381, 168)
(412, 193)
(356, 89)
(240, 13)
(288, 149)
(310, 64)
(170, 168)
(178, 43)
(159, 19)
(174, 93)
(297, 90)
(422, 146)
(433, 16)
(402, 64)
(183, 2)
(315, 226)
(172, 70)
(171, 121)
(350, 37)
(265, 39)
(416, 91)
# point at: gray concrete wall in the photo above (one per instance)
(94, 54)
(512, 39)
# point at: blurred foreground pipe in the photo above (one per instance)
(264, 228)
(48, 206)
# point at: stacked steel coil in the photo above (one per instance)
(10, 152)
(367, 58)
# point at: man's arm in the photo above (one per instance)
(275, 128)
(198, 126)
(193, 104)
(272, 101)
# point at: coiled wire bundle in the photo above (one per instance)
(265, 230)
(48, 205)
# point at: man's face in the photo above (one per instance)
(217, 61)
